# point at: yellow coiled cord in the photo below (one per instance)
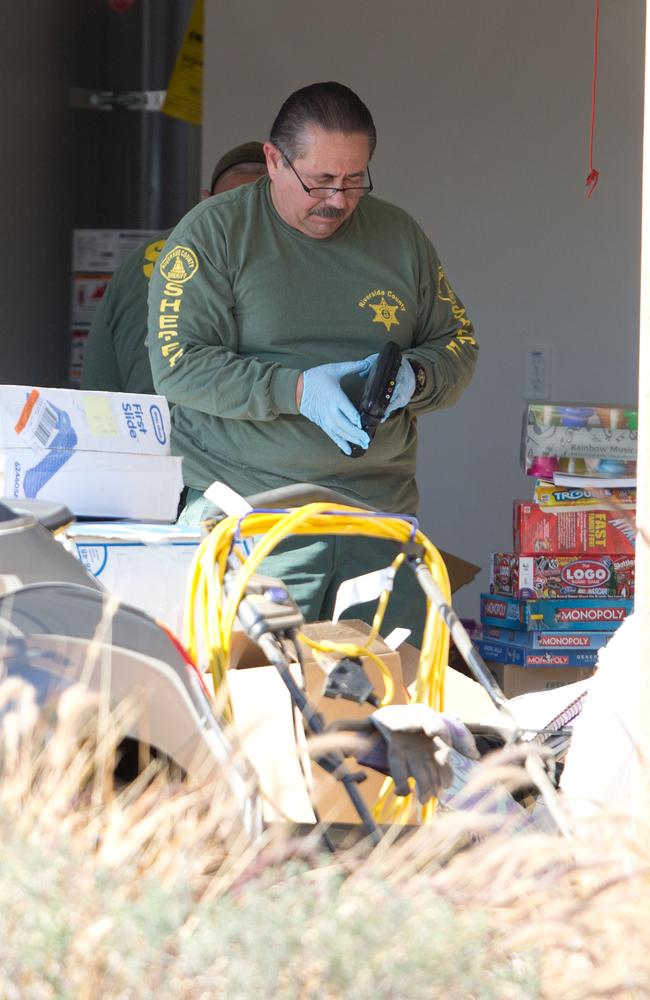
(210, 614)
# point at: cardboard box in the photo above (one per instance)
(270, 735)
(145, 565)
(76, 420)
(103, 454)
(265, 724)
(96, 484)
(571, 532)
(553, 576)
(460, 571)
(514, 680)
(578, 614)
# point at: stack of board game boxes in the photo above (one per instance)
(556, 598)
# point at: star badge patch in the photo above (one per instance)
(385, 314)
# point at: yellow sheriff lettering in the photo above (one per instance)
(168, 326)
(151, 255)
(465, 331)
(463, 336)
(445, 291)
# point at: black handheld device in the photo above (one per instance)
(378, 392)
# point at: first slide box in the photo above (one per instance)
(103, 454)
(62, 419)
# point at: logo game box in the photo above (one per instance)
(553, 576)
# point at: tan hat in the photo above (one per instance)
(248, 152)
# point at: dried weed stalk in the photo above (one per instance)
(147, 890)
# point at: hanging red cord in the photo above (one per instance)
(592, 177)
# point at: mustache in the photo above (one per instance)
(328, 212)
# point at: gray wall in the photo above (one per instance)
(37, 190)
(482, 110)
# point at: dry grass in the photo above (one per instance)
(150, 891)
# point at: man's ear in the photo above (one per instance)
(273, 158)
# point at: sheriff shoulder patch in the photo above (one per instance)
(179, 265)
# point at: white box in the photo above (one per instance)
(73, 419)
(267, 730)
(104, 249)
(103, 454)
(145, 565)
(94, 483)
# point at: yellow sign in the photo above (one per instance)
(184, 97)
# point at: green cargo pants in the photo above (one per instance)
(312, 567)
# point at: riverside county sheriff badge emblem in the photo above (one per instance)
(179, 265)
(385, 307)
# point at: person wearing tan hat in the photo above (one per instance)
(238, 166)
(116, 357)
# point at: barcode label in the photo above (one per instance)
(38, 422)
(46, 425)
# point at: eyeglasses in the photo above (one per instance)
(329, 192)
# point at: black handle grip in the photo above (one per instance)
(378, 392)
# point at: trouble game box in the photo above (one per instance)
(547, 494)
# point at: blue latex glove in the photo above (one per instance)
(404, 389)
(325, 404)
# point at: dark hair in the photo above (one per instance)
(330, 106)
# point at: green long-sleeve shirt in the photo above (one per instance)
(240, 303)
(115, 355)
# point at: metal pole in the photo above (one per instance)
(464, 644)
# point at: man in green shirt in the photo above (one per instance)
(115, 356)
(267, 309)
